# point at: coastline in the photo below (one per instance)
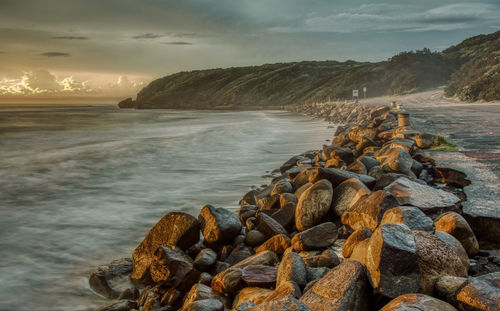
(346, 193)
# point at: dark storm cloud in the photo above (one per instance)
(55, 54)
(177, 43)
(148, 36)
(69, 38)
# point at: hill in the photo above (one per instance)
(275, 85)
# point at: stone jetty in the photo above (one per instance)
(367, 222)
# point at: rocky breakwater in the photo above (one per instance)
(365, 223)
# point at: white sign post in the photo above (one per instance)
(364, 92)
(355, 95)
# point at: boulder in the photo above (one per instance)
(172, 266)
(435, 259)
(357, 133)
(120, 305)
(379, 111)
(316, 273)
(287, 303)
(292, 268)
(253, 294)
(281, 187)
(395, 159)
(450, 176)
(424, 140)
(286, 198)
(255, 238)
(285, 216)
(204, 305)
(430, 200)
(336, 176)
(456, 246)
(317, 237)
(392, 262)
(288, 288)
(110, 280)
(368, 210)
(346, 195)
(130, 293)
(205, 259)
(356, 237)
(409, 302)
(298, 193)
(313, 205)
(446, 287)
(480, 293)
(269, 226)
(176, 228)
(458, 227)
(260, 275)
(238, 254)
(290, 163)
(199, 292)
(343, 288)
(328, 258)
(277, 244)
(218, 225)
(411, 216)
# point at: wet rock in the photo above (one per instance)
(391, 261)
(268, 226)
(455, 245)
(430, 200)
(313, 205)
(446, 287)
(450, 176)
(171, 266)
(347, 194)
(206, 278)
(252, 294)
(277, 244)
(369, 162)
(302, 189)
(175, 228)
(395, 159)
(204, 305)
(289, 288)
(247, 211)
(458, 227)
(290, 163)
(435, 259)
(285, 216)
(282, 186)
(343, 288)
(150, 299)
(287, 303)
(356, 237)
(417, 302)
(218, 225)
(368, 210)
(292, 268)
(109, 280)
(317, 237)
(239, 253)
(411, 216)
(131, 293)
(255, 238)
(121, 305)
(205, 259)
(199, 292)
(287, 198)
(480, 293)
(336, 176)
(219, 267)
(260, 275)
(171, 299)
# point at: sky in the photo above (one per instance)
(116, 47)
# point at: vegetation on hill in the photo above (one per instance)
(274, 85)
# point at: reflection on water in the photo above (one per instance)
(80, 186)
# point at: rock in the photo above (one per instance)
(199, 292)
(446, 287)
(302, 189)
(245, 306)
(392, 262)
(255, 238)
(356, 237)
(450, 176)
(314, 274)
(205, 259)
(456, 246)
(395, 159)
(205, 278)
(368, 210)
(357, 133)
(281, 187)
(290, 163)
(247, 211)
(328, 258)
(292, 268)
(121, 305)
(171, 266)
(317, 237)
(313, 205)
(430, 200)
(480, 293)
(249, 198)
(285, 216)
(424, 140)
(458, 227)
(260, 275)
(347, 194)
(435, 259)
(369, 162)
(379, 111)
(204, 305)
(340, 153)
(289, 288)
(336, 176)
(253, 294)
(343, 288)
(357, 167)
(287, 198)
(150, 299)
(269, 226)
(171, 299)
(175, 228)
(218, 225)
(485, 222)
(277, 244)
(287, 303)
(106, 279)
(409, 302)
(239, 253)
(411, 216)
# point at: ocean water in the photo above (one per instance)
(80, 186)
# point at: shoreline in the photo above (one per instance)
(371, 182)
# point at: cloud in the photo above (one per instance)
(148, 36)
(69, 38)
(55, 54)
(178, 43)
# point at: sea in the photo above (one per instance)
(81, 185)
